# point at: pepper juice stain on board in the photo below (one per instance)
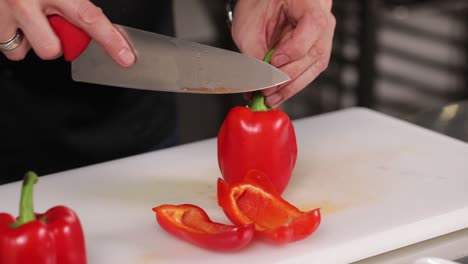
(149, 258)
(208, 190)
(339, 177)
(161, 189)
(326, 207)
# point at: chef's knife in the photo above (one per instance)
(165, 64)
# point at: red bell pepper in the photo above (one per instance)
(191, 223)
(257, 137)
(255, 200)
(54, 237)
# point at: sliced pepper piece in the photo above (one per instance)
(192, 224)
(255, 200)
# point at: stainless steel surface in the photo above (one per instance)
(451, 246)
(451, 120)
(175, 65)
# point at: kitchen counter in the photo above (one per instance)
(450, 120)
(368, 172)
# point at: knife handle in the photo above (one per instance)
(74, 40)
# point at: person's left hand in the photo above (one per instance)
(301, 31)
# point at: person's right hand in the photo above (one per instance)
(31, 17)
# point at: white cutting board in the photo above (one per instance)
(382, 184)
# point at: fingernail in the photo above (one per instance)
(273, 100)
(126, 57)
(280, 60)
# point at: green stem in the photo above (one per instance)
(258, 100)
(267, 58)
(26, 213)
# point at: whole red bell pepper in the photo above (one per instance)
(54, 237)
(255, 200)
(260, 138)
(191, 223)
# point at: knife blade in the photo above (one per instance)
(173, 65)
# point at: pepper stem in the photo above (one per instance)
(258, 100)
(26, 213)
(267, 58)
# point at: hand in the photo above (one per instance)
(301, 31)
(31, 17)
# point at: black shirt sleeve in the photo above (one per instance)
(50, 123)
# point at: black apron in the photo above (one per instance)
(48, 123)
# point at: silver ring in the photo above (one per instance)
(13, 42)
